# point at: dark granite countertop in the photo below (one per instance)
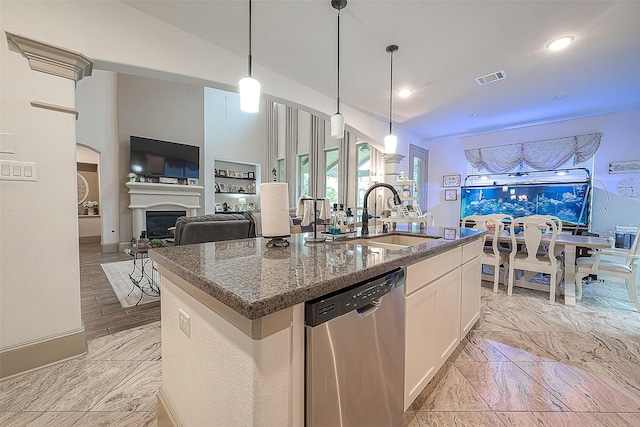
(255, 280)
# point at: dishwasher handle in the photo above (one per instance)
(369, 308)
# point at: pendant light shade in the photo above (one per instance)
(249, 95)
(337, 120)
(337, 126)
(391, 141)
(390, 144)
(249, 87)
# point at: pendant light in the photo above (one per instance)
(391, 141)
(337, 120)
(249, 87)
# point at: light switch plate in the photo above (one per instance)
(11, 170)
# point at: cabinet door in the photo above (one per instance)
(447, 315)
(470, 295)
(420, 312)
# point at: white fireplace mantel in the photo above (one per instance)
(144, 196)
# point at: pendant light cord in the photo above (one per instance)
(391, 97)
(250, 59)
(338, 97)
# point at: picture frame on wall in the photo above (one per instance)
(451, 181)
(221, 172)
(223, 187)
(251, 206)
(219, 207)
(231, 173)
(251, 175)
(450, 195)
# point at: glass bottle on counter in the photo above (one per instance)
(350, 220)
(342, 219)
(334, 228)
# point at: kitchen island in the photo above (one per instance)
(233, 318)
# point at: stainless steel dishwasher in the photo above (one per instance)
(355, 355)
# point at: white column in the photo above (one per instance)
(391, 161)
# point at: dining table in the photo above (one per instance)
(569, 243)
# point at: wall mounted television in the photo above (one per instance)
(155, 158)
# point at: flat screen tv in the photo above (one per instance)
(155, 158)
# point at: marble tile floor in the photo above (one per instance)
(528, 363)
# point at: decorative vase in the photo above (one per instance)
(132, 180)
(91, 211)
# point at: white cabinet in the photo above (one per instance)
(470, 286)
(442, 302)
(420, 334)
(470, 295)
(447, 316)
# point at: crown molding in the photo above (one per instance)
(51, 59)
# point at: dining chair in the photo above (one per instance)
(531, 259)
(543, 248)
(624, 265)
(494, 255)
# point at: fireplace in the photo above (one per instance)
(158, 223)
(152, 198)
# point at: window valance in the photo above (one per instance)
(542, 155)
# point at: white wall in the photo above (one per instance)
(230, 134)
(158, 109)
(619, 142)
(96, 127)
(39, 274)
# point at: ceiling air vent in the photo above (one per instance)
(490, 78)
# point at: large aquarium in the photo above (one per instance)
(569, 202)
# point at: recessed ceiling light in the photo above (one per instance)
(559, 96)
(405, 93)
(561, 43)
(474, 114)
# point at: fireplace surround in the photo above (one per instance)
(145, 196)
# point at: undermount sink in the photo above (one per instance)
(393, 241)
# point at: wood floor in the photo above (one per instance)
(101, 311)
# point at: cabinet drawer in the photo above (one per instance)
(427, 271)
(472, 250)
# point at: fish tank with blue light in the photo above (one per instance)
(567, 201)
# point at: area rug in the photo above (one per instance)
(118, 275)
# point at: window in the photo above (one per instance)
(363, 156)
(280, 176)
(303, 174)
(419, 161)
(331, 174)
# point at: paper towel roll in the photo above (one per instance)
(274, 203)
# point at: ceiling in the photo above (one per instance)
(444, 46)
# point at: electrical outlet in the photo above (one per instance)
(185, 322)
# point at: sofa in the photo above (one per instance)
(213, 228)
(219, 227)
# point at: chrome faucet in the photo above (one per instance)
(365, 210)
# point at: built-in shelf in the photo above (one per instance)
(245, 184)
(234, 177)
